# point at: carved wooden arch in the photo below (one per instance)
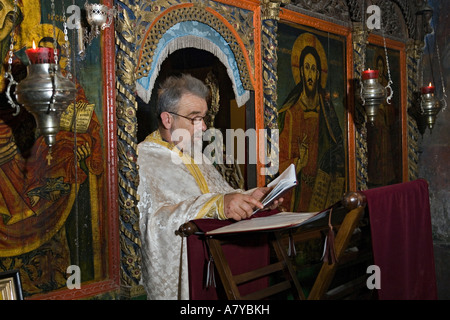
(191, 12)
(140, 25)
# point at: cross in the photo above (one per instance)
(49, 157)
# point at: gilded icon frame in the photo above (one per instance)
(397, 155)
(105, 254)
(10, 285)
(338, 71)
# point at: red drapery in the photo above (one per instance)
(402, 241)
(402, 244)
(251, 252)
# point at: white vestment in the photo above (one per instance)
(172, 191)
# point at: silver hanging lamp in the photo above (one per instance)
(99, 17)
(429, 105)
(373, 93)
(45, 92)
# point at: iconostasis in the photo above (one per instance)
(290, 76)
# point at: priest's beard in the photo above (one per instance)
(190, 144)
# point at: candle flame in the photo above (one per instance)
(34, 45)
(430, 84)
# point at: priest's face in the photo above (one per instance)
(188, 125)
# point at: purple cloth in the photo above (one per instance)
(402, 240)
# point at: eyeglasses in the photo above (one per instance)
(194, 120)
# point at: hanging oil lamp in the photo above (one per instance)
(45, 92)
(429, 105)
(99, 17)
(373, 93)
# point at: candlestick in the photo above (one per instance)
(370, 74)
(40, 55)
(46, 93)
(428, 89)
(373, 93)
(430, 107)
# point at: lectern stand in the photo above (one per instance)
(342, 217)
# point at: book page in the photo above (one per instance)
(288, 174)
(281, 184)
(276, 221)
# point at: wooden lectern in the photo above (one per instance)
(342, 217)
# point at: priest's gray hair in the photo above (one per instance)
(174, 87)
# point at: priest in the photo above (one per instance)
(177, 184)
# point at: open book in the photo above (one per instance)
(273, 222)
(283, 220)
(283, 183)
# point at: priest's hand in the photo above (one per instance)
(260, 193)
(240, 206)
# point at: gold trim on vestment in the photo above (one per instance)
(208, 208)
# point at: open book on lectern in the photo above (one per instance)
(277, 221)
(283, 220)
(283, 183)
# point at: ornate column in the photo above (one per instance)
(128, 178)
(414, 50)
(360, 35)
(419, 28)
(269, 26)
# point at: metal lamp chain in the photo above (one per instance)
(419, 78)
(444, 94)
(55, 66)
(363, 58)
(13, 33)
(55, 43)
(391, 91)
(66, 44)
(360, 77)
(8, 74)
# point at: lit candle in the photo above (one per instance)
(428, 89)
(40, 55)
(370, 74)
